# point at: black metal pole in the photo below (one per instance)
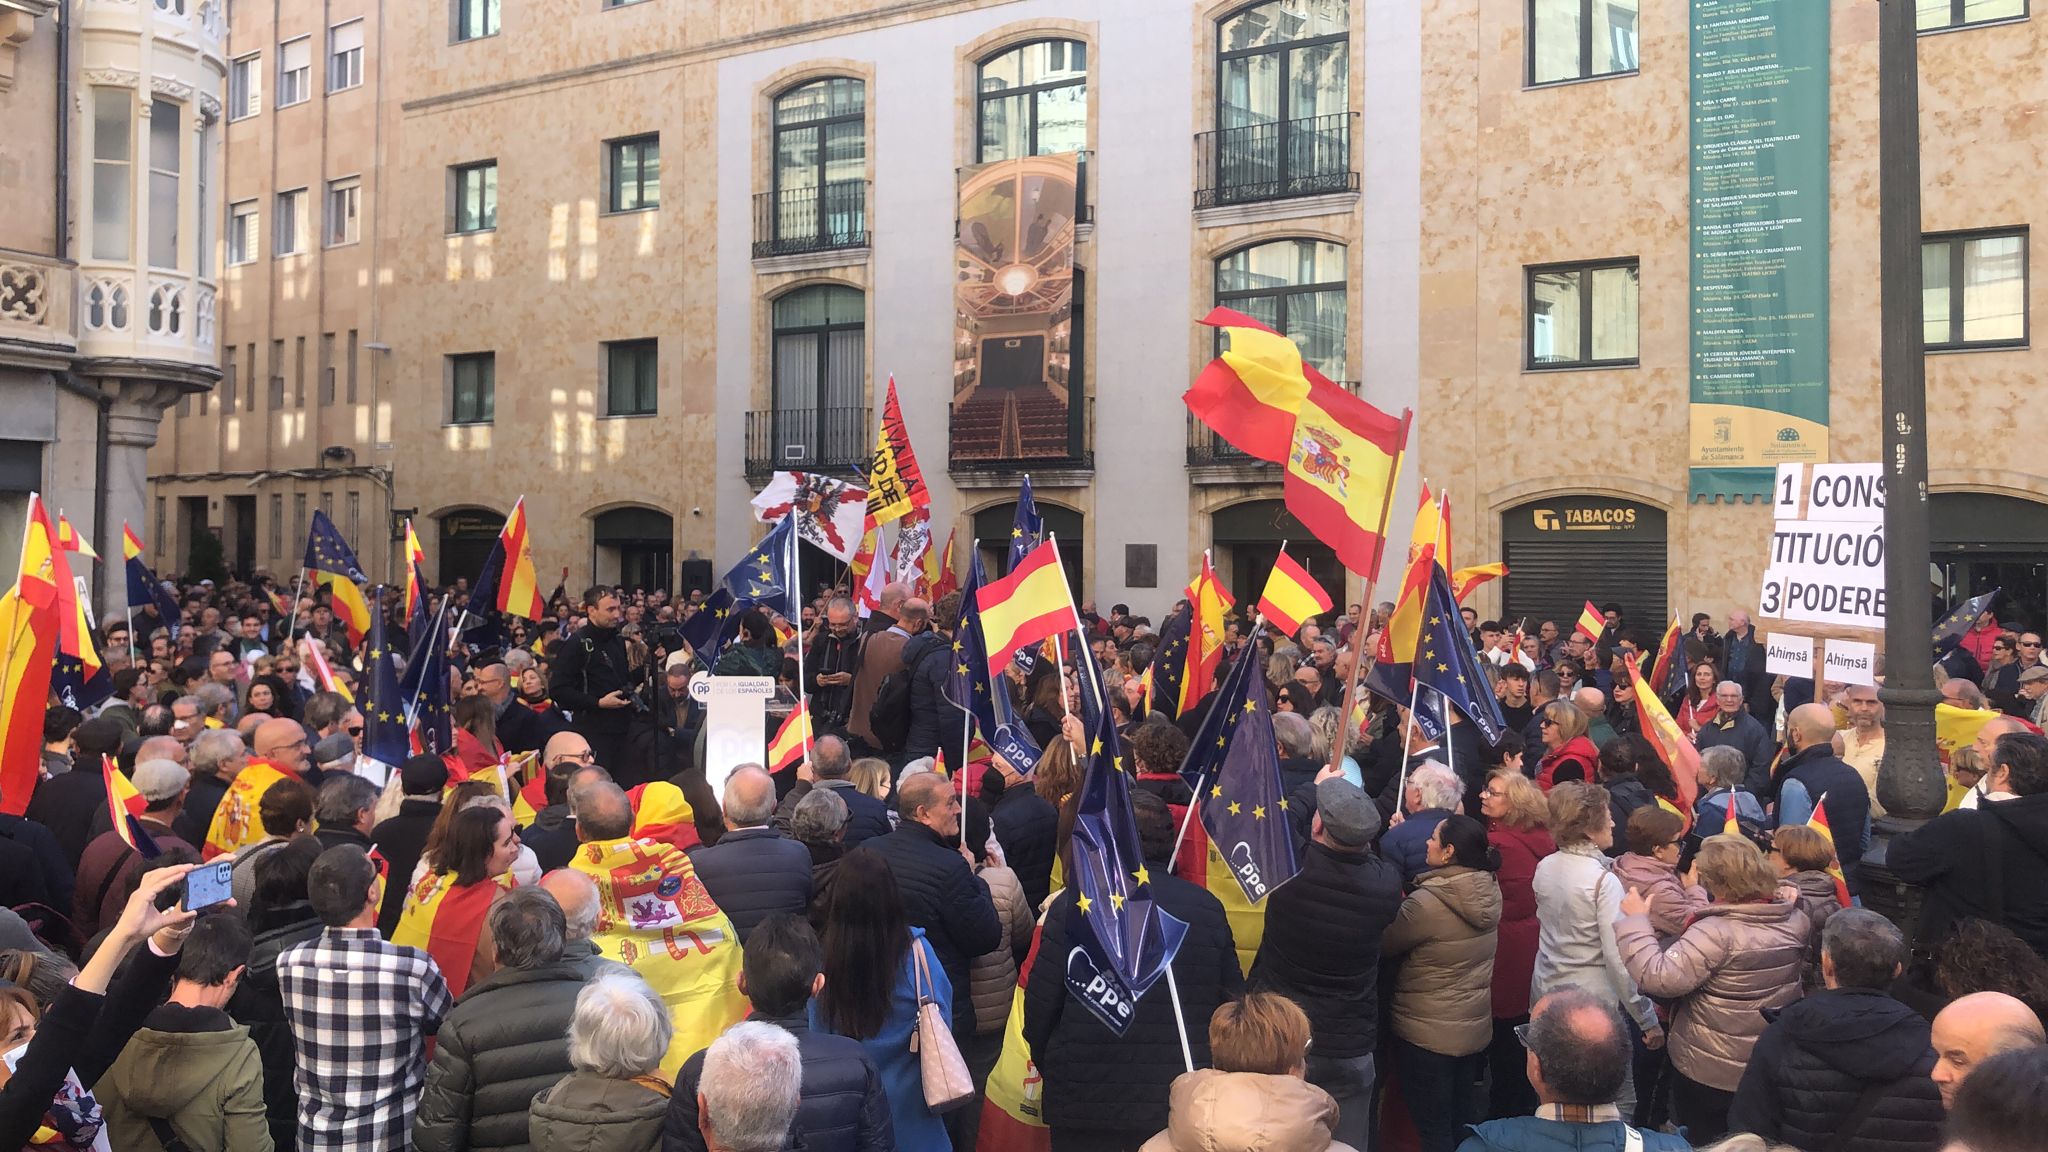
(1910, 784)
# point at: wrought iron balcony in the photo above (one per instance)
(790, 221)
(1276, 161)
(992, 433)
(835, 440)
(1214, 460)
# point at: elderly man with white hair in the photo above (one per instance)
(1432, 793)
(1733, 726)
(617, 1037)
(753, 1078)
(754, 871)
(217, 757)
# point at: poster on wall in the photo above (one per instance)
(1014, 351)
(1759, 194)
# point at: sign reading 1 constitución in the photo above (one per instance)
(1759, 242)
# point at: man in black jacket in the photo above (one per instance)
(402, 838)
(830, 664)
(754, 871)
(1108, 1091)
(930, 655)
(1322, 947)
(1811, 773)
(1027, 826)
(1985, 861)
(831, 763)
(592, 679)
(941, 894)
(1849, 1059)
(842, 1106)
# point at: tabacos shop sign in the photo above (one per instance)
(1584, 518)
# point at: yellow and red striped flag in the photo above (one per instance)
(235, 825)
(1592, 623)
(946, 579)
(1672, 745)
(126, 806)
(415, 563)
(792, 741)
(1209, 601)
(1025, 607)
(661, 814)
(1252, 394)
(1819, 823)
(314, 654)
(1292, 595)
(518, 587)
(895, 483)
(446, 920)
(69, 539)
(28, 651)
(531, 799)
(654, 916)
(1344, 458)
(1464, 580)
(1013, 1101)
(131, 544)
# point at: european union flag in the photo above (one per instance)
(1206, 749)
(1445, 661)
(1027, 530)
(326, 551)
(1123, 942)
(386, 741)
(424, 689)
(1245, 809)
(1170, 660)
(969, 686)
(482, 609)
(1394, 680)
(763, 576)
(712, 628)
(1954, 626)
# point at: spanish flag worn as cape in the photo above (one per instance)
(654, 916)
(531, 799)
(446, 920)
(235, 825)
(661, 813)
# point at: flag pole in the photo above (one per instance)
(796, 601)
(1075, 611)
(128, 617)
(1180, 1020)
(966, 713)
(1371, 579)
(291, 626)
(1443, 507)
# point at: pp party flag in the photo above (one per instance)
(387, 737)
(1341, 472)
(1027, 527)
(125, 806)
(1819, 823)
(332, 563)
(1245, 810)
(763, 576)
(1951, 629)
(423, 691)
(446, 921)
(1252, 392)
(1123, 942)
(1673, 747)
(1464, 580)
(70, 540)
(1292, 596)
(235, 825)
(793, 740)
(1025, 607)
(970, 685)
(28, 614)
(1444, 660)
(830, 513)
(1592, 623)
(655, 917)
(895, 486)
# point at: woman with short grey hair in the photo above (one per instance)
(753, 1075)
(1720, 776)
(615, 1099)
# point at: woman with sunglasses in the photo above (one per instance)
(1568, 753)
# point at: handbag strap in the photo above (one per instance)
(1865, 1104)
(924, 976)
(166, 1135)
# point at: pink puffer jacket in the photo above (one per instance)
(1732, 962)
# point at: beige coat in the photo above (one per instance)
(1211, 1111)
(1732, 962)
(993, 977)
(1443, 997)
(1672, 904)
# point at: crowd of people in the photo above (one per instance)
(1544, 943)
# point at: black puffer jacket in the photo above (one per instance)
(945, 898)
(866, 817)
(1815, 1060)
(1322, 945)
(842, 1106)
(1027, 825)
(753, 873)
(1096, 1079)
(934, 721)
(505, 1042)
(259, 1004)
(1952, 856)
(1625, 794)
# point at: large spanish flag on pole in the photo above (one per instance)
(1674, 748)
(1341, 471)
(518, 587)
(1205, 637)
(28, 652)
(125, 807)
(332, 563)
(1025, 607)
(1251, 393)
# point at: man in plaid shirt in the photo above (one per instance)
(360, 1009)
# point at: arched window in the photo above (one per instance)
(820, 197)
(819, 419)
(1283, 102)
(1033, 101)
(1298, 288)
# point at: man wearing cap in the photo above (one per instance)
(108, 863)
(519, 728)
(402, 838)
(1322, 945)
(2033, 690)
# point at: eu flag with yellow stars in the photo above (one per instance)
(1122, 941)
(763, 576)
(385, 740)
(1211, 740)
(969, 686)
(1954, 626)
(712, 627)
(1169, 661)
(332, 564)
(1245, 809)
(424, 689)
(1027, 527)
(1445, 661)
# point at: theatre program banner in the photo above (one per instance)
(1759, 242)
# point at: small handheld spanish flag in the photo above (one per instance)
(126, 806)
(792, 741)
(1819, 823)
(1592, 623)
(1731, 826)
(1291, 595)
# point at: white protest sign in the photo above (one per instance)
(1806, 594)
(735, 723)
(1850, 492)
(1787, 655)
(1849, 662)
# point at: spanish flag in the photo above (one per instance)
(1025, 607)
(531, 799)
(415, 564)
(69, 539)
(1730, 824)
(661, 814)
(126, 806)
(314, 654)
(1291, 596)
(1819, 823)
(1432, 529)
(654, 916)
(1957, 727)
(945, 579)
(1672, 745)
(1668, 648)
(792, 741)
(895, 484)
(1252, 393)
(1464, 580)
(1013, 1101)
(1341, 472)
(28, 651)
(235, 824)
(76, 674)
(1592, 623)
(1205, 638)
(332, 563)
(446, 920)
(518, 587)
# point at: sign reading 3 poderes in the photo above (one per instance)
(1759, 242)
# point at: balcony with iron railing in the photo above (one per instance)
(835, 440)
(1281, 160)
(992, 438)
(819, 218)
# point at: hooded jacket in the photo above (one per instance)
(586, 1112)
(1521, 849)
(1816, 1058)
(1443, 995)
(1212, 1111)
(1732, 961)
(934, 721)
(1818, 900)
(1951, 855)
(1576, 753)
(1672, 904)
(195, 1068)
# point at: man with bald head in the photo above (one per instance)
(941, 893)
(577, 894)
(753, 871)
(1985, 862)
(1975, 1028)
(1986, 747)
(520, 729)
(280, 751)
(1811, 773)
(1592, 704)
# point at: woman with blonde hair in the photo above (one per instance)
(1254, 1094)
(1516, 813)
(1567, 752)
(1740, 957)
(870, 777)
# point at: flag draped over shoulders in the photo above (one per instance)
(446, 920)
(235, 825)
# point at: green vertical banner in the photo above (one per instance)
(1759, 242)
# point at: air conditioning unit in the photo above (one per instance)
(794, 453)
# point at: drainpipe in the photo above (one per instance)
(63, 210)
(102, 448)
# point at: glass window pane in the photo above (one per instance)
(112, 187)
(1005, 127)
(1554, 318)
(1554, 36)
(1315, 321)
(1250, 91)
(1933, 13)
(1976, 10)
(650, 173)
(796, 157)
(1994, 289)
(163, 136)
(164, 140)
(846, 153)
(1318, 81)
(821, 100)
(1934, 292)
(819, 306)
(1284, 20)
(1063, 120)
(1614, 36)
(1614, 313)
(1281, 264)
(111, 109)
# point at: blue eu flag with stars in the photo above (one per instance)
(1445, 661)
(1245, 808)
(386, 741)
(425, 688)
(763, 575)
(715, 624)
